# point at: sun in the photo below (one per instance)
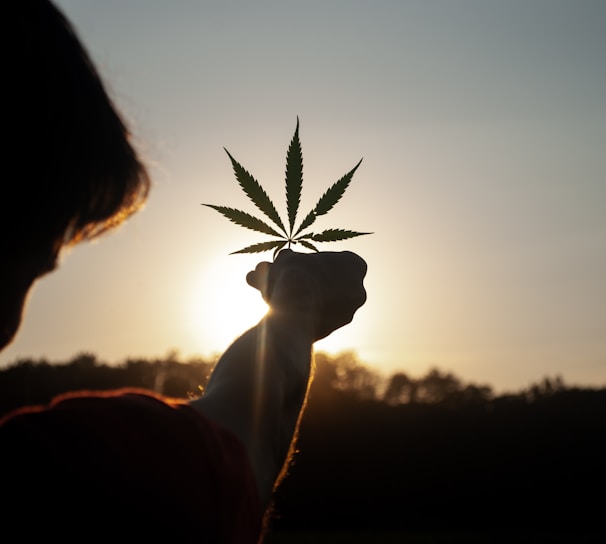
(221, 305)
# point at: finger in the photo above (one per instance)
(258, 277)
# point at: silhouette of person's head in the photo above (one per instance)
(71, 171)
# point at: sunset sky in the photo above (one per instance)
(482, 128)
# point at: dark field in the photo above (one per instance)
(419, 461)
(495, 537)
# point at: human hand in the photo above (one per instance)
(326, 287)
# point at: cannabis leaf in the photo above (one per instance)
(294, 185)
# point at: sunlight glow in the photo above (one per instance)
(259, 385)
(222, 306)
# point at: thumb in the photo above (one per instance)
(259, 278)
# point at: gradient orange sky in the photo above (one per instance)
(482, 127)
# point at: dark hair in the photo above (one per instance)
(75, 173)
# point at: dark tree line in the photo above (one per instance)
(401, 452)
(28, 381)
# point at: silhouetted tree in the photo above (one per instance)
(400, 389)
(344, 374)
(437, 386)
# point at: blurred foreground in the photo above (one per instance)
(401, 459)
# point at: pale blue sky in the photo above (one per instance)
(482, 125)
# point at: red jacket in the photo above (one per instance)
(128, 463)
